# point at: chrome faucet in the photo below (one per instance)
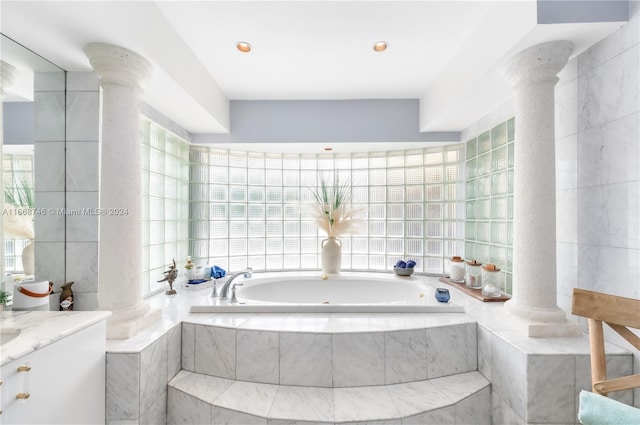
(224, 292)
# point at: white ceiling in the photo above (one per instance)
(446, 53)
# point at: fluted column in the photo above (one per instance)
(533, 75)
(122, 74)
(7, 75)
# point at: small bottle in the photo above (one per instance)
(188, 269)
(473, 278)
(456, 269)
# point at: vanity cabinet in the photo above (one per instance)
(65, 382)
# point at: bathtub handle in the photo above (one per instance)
(234, 299)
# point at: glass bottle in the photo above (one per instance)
(189, 272)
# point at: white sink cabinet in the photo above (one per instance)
(65, 381)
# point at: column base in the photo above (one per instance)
(124, 324)
(542, 322)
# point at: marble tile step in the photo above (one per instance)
(195, 398)
(412, 350)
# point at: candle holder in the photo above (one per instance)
(492, 279)
(474, 275)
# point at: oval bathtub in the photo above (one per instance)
(336, 294)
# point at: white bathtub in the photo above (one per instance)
(354, 294)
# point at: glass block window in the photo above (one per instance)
(17, 175)
(489, 198)
(165, 202)
(253, 209)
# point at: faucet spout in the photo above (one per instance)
(224, 292)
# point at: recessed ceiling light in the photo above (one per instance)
(380, 46)
(243, 46)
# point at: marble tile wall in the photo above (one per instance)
(82, 186)
(49, 143)
(66, 173)
(598, 170)
(137, 382)
(597, 184)
(329, 360)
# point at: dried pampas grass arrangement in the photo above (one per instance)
(17, 215)
(333, 211)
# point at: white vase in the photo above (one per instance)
(331, 255)
(28, 254)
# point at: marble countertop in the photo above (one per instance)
(41, 328)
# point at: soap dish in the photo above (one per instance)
(205, 283)
(403, 271)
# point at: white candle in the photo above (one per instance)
(490, 291)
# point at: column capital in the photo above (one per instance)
(538, 63)
(7, 75)
(117, 65)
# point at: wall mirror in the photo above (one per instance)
(33, 164)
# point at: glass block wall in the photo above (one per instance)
(17, 170)
(489, 198)
(252, 209)
(165, 202)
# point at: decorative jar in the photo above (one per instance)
(473, 278)
(456, 269)
(492, 280)
(442, 295)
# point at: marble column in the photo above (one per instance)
(122, 74)
(533, 75)
(7, 75)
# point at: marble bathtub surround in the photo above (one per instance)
(305, 359)
(251, 346)
(215, 351)
(330, 359)
(136, 387)
(359, 359)
(503, 355)
(550, 394)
